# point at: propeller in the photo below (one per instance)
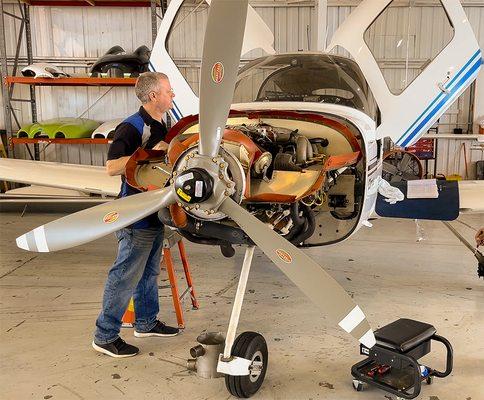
(93, 223)
(306, 274)
(221, 56)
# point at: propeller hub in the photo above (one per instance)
(202, 183)
(194, 185)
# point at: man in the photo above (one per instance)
(135, 271)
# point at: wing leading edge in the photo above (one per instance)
(85, 178)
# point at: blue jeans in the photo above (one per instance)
(134, 273)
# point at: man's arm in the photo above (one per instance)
(117, 166)
(126, 140)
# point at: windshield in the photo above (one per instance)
(315, 78)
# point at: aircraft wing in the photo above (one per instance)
(85, 178)
(454, 198)
(471, 196)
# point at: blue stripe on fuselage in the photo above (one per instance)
(437, 98)
(444, 100)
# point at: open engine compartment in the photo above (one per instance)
(305, 173)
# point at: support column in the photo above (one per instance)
(30, 60)
(4, 74)
(321, 25)
(154, 22)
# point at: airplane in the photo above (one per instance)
(299, 165)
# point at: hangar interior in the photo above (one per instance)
(392, 267)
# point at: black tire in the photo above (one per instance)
(252, 346)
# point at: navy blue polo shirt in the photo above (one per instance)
(127, 139)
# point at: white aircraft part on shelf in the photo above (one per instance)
(43, 70)
(106, 128)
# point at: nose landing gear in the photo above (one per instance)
(244, 360)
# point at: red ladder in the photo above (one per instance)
(171, 238)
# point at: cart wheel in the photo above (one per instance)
(357, 385)
(252, 346)
(429, 380)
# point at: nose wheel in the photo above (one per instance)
(244, 360)
(251, 346)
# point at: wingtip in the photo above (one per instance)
(22, 242)
(368, 339)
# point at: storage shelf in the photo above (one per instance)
(454, 136)
(71, 81)
(60, 141)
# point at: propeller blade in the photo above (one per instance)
(306, 274)
(221, 56)
(93, 223)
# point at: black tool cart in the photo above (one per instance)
(392, 364)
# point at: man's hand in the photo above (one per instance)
(117, 166)
(480, 237)
(161, 146)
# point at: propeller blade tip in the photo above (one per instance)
(22, 242)
(368, 339)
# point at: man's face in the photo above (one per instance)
(163, 98)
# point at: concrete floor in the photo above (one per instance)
(49, 303)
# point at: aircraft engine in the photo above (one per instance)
(285, 149)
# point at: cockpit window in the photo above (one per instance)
(315, 78)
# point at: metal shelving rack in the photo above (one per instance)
(158, 8)
(46, 140)
(71, 81)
